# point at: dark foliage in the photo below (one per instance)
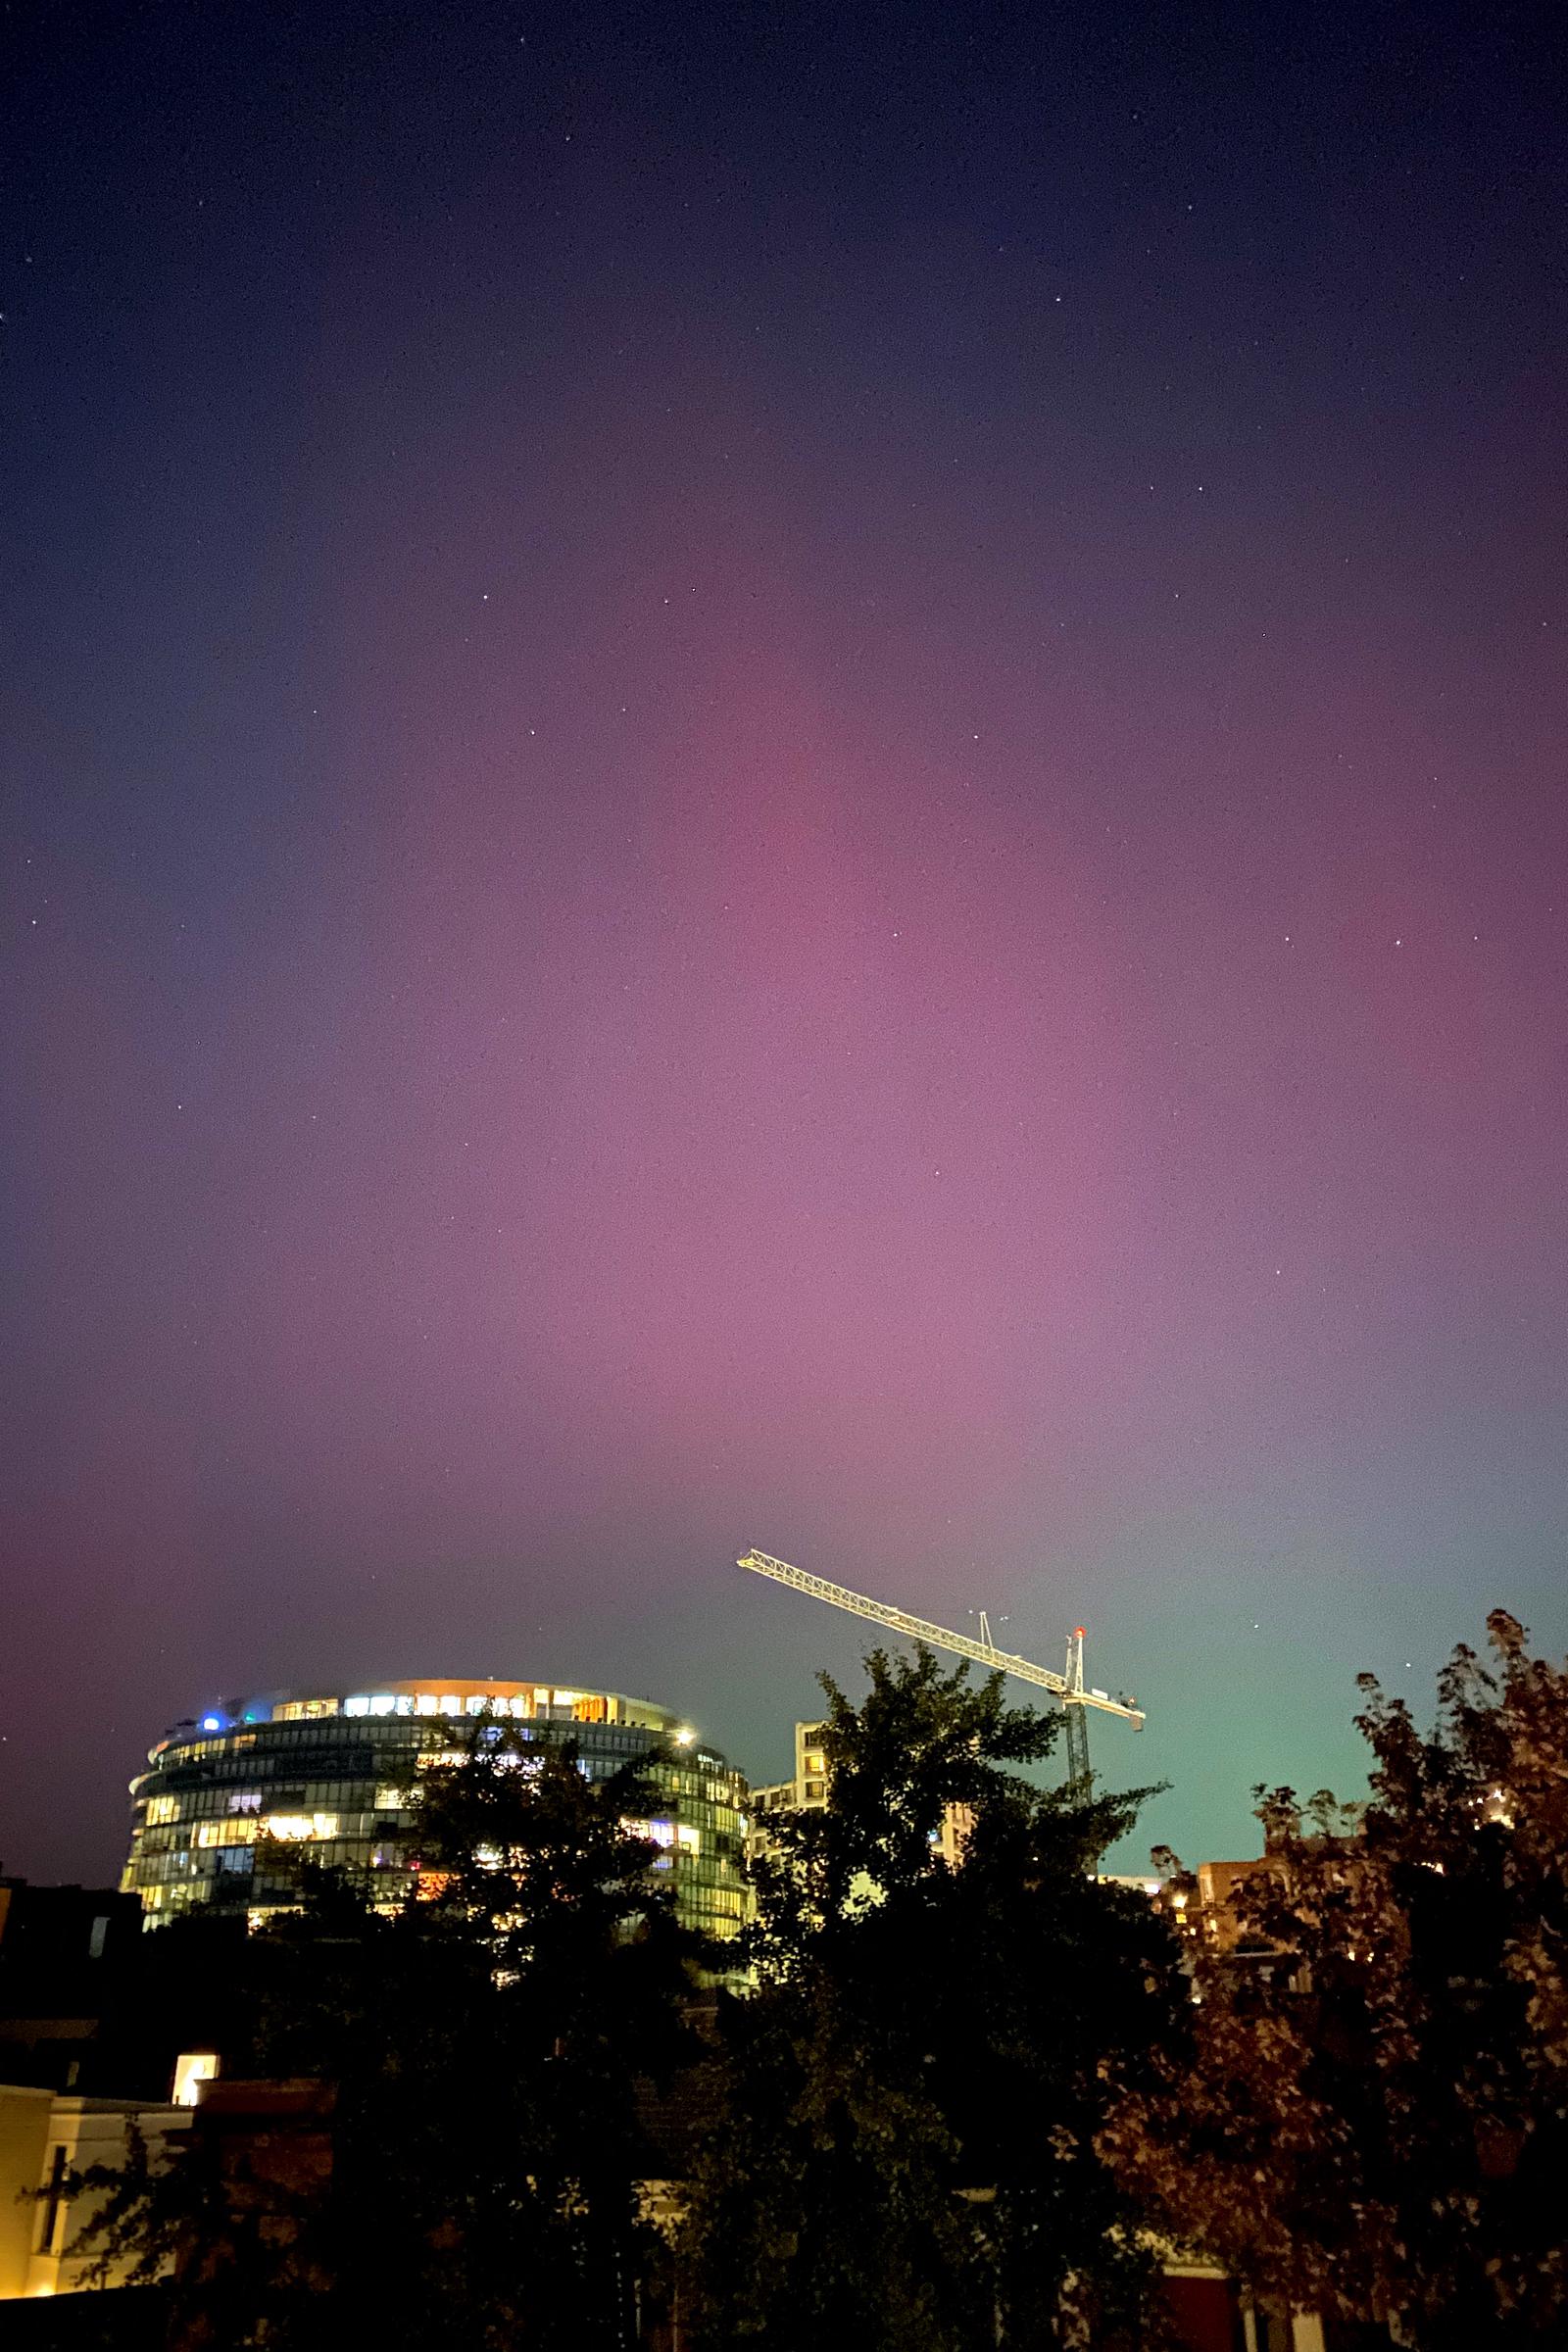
(906, 2155)
(1375, 2118)
(468, 2173)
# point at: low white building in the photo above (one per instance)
(46, 2137)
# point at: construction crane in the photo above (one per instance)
(1067, 1688)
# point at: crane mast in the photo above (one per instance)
(1067, 1688)
(1075, 1721)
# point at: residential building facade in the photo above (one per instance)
(807, 1792)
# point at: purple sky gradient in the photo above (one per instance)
(698, 854)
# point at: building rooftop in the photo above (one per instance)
(437, 1695)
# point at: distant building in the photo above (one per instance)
(1217, 1885)
(334, 1773)
(808, 1792)
(64, 1952)
(1211, 1897)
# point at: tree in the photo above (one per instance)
(1374, 2119)
(904, 2151)
(478, 2055)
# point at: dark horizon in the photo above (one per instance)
(783, 780)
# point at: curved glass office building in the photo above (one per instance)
(335, 1772)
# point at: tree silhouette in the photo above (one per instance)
(470, 2172)
(1374, 2119)
(905, 2150)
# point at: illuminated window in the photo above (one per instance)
(392, 1800)
(226, 1833)
(680, 1835)
(192, 2068)
(163, 1808)
(295, 1829)
(304, 1710)
(245, 1800)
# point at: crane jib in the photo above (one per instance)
(942, 1637)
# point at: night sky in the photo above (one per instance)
(784, 776)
